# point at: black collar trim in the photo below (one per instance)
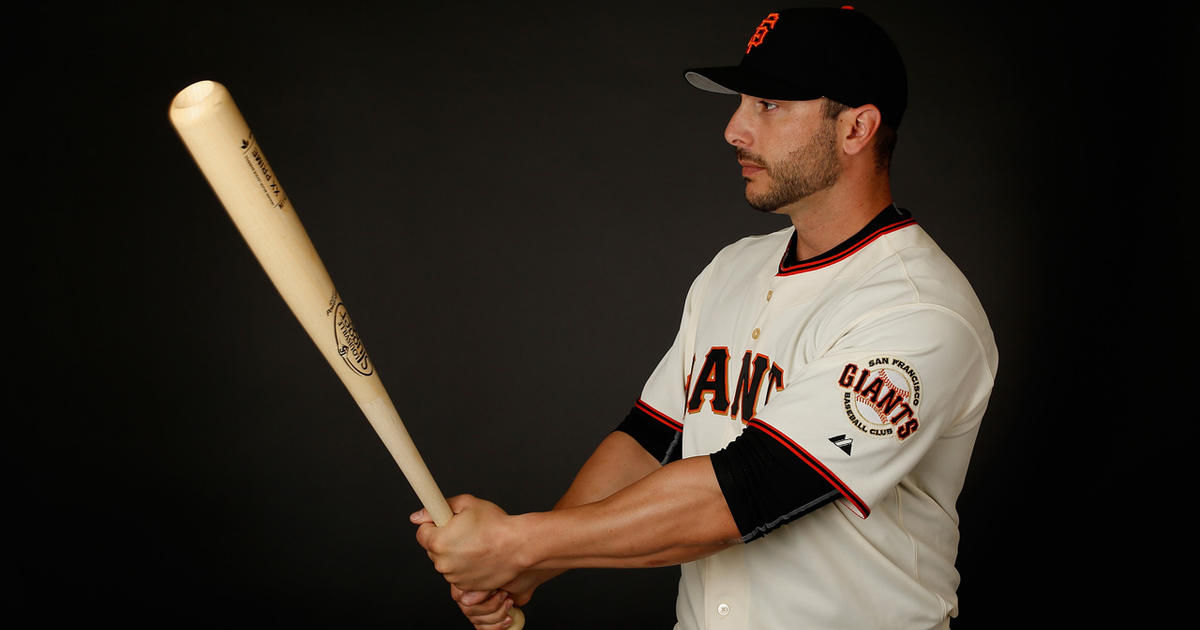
(887, 221)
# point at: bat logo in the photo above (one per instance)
(257, 163)
(349, 344)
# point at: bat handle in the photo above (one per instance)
(382, 415)
(441, 515)
(518, 618)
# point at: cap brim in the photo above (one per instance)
(700, 81)
(740, 80)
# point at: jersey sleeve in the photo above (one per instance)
(865, 412)
(765, 486)
(662, 403)
(658, 434)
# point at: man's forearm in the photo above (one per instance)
(674, 514)
(615, 464)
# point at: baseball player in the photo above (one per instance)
(800, 448)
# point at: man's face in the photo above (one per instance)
(788, 150)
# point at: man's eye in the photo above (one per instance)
(766, 105)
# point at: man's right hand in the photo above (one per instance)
(488, 610)
(616, 463)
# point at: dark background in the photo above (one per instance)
(513, 199)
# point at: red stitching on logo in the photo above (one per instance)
(888, 382)
(876, 405)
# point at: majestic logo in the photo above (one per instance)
(842, 442)
(348, 343)
(760, 33)
(882, 398)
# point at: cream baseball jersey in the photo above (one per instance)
(872, 364)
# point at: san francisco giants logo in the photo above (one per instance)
(760, 33)
(882, 399)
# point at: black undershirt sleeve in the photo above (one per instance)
(765, 485)
(656, 436)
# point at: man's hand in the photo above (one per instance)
(617, 462)
(486, 610)
(476, 550)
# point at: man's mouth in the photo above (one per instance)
(750, 168)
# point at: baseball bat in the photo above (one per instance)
(219, 139)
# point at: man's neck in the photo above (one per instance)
(827, 218)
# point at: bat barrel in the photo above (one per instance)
(195, 94)
(229, 156)
(219, 139)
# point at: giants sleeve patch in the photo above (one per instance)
(881, 397)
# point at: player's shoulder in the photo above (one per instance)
(916, 261)
(908, 277)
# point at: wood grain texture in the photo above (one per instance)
(224, 147)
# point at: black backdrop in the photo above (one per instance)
(513, 199)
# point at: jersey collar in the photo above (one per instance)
(887, 221)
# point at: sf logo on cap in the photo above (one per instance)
(760, 33)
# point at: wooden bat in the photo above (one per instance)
(216, 134)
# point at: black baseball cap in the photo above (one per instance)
(804, 54)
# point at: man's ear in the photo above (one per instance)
(859, 127)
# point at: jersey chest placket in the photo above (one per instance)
(771, 323)
(784, 307)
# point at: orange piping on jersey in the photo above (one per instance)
(821, 263)
(658, 415)
(815, 463)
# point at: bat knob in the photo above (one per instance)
(518, 618)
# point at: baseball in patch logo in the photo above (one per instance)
(881, 397)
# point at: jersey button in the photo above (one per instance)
(723, 609)
(754, 335)
(769, 294)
